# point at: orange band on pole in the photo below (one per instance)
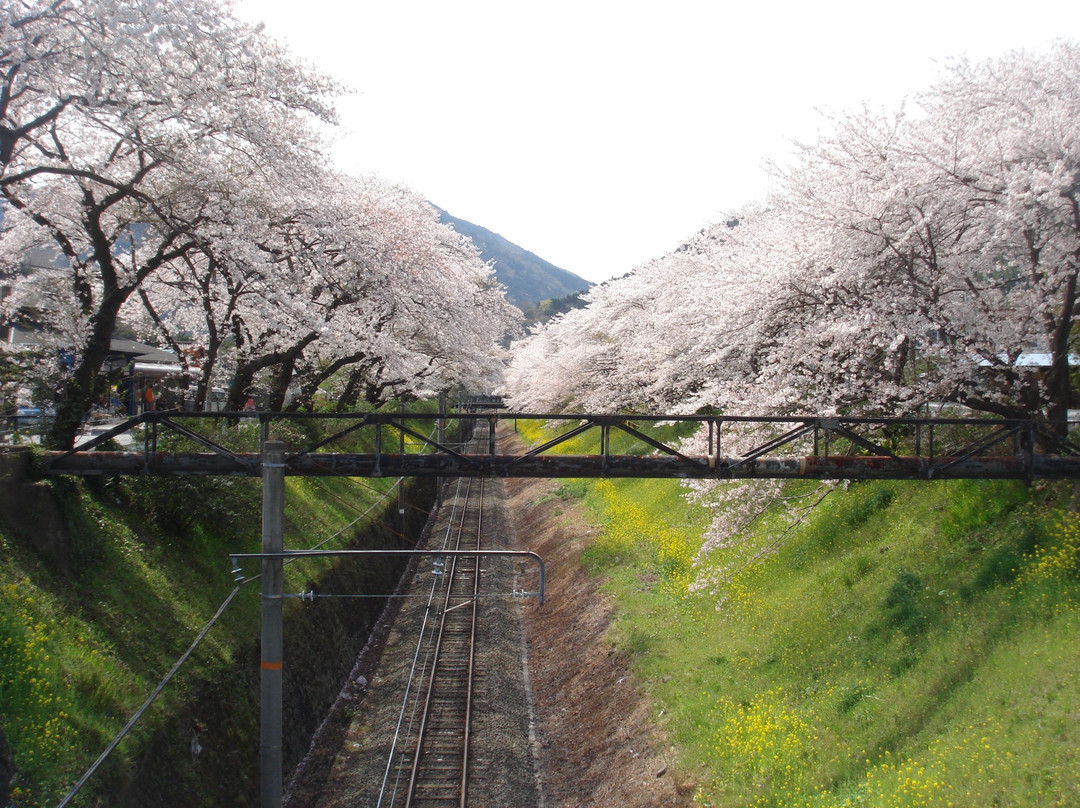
(271, 666)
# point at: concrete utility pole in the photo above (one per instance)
(273, 476)
(401, 487)
(442, 442)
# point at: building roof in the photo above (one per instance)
(140, 352)
(144, 360)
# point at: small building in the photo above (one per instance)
(143, 367)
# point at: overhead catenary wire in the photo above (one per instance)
(256, 576)
(382, 495)
(312, 596)
(359, 482)
(366, 513)
(362, 484)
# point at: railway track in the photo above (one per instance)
(430, 765)
(424, 731)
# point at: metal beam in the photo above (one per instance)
(819, 448)
(289, 555)
(836, 467)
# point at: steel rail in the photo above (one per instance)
(438, 771)
(467, 731)
(440, 678)
(413, 669)
(437, 656)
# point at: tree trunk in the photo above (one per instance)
(206, 371)
(1058, 381)
(245, 372)
(279, 388)
(311, 381)
(78, 395)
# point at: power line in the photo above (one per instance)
(146, 704)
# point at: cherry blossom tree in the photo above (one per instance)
(906, 259)
(358, 282)
(675, 336)
(953, 237)
(401, 304)
(123, 128)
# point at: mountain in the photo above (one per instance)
(528, 278)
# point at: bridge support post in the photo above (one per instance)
(273, 476)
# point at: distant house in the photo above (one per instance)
(140, 366)
(1035, 360)
(143, 367)
(131, 367)
(25, 324)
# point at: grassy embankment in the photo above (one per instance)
(912, 644)
(86, 632)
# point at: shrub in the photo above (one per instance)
(905, 604)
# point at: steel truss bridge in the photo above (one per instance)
(732, 447)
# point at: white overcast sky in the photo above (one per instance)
(599, 134)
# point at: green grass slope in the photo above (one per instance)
(911, 644)
(92, 620)
(85, 635)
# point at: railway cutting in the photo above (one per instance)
(445, 720)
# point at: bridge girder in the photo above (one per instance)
(778, 448)
(859, 467)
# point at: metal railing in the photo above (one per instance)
(819, 447)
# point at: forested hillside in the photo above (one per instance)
(528, 278)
